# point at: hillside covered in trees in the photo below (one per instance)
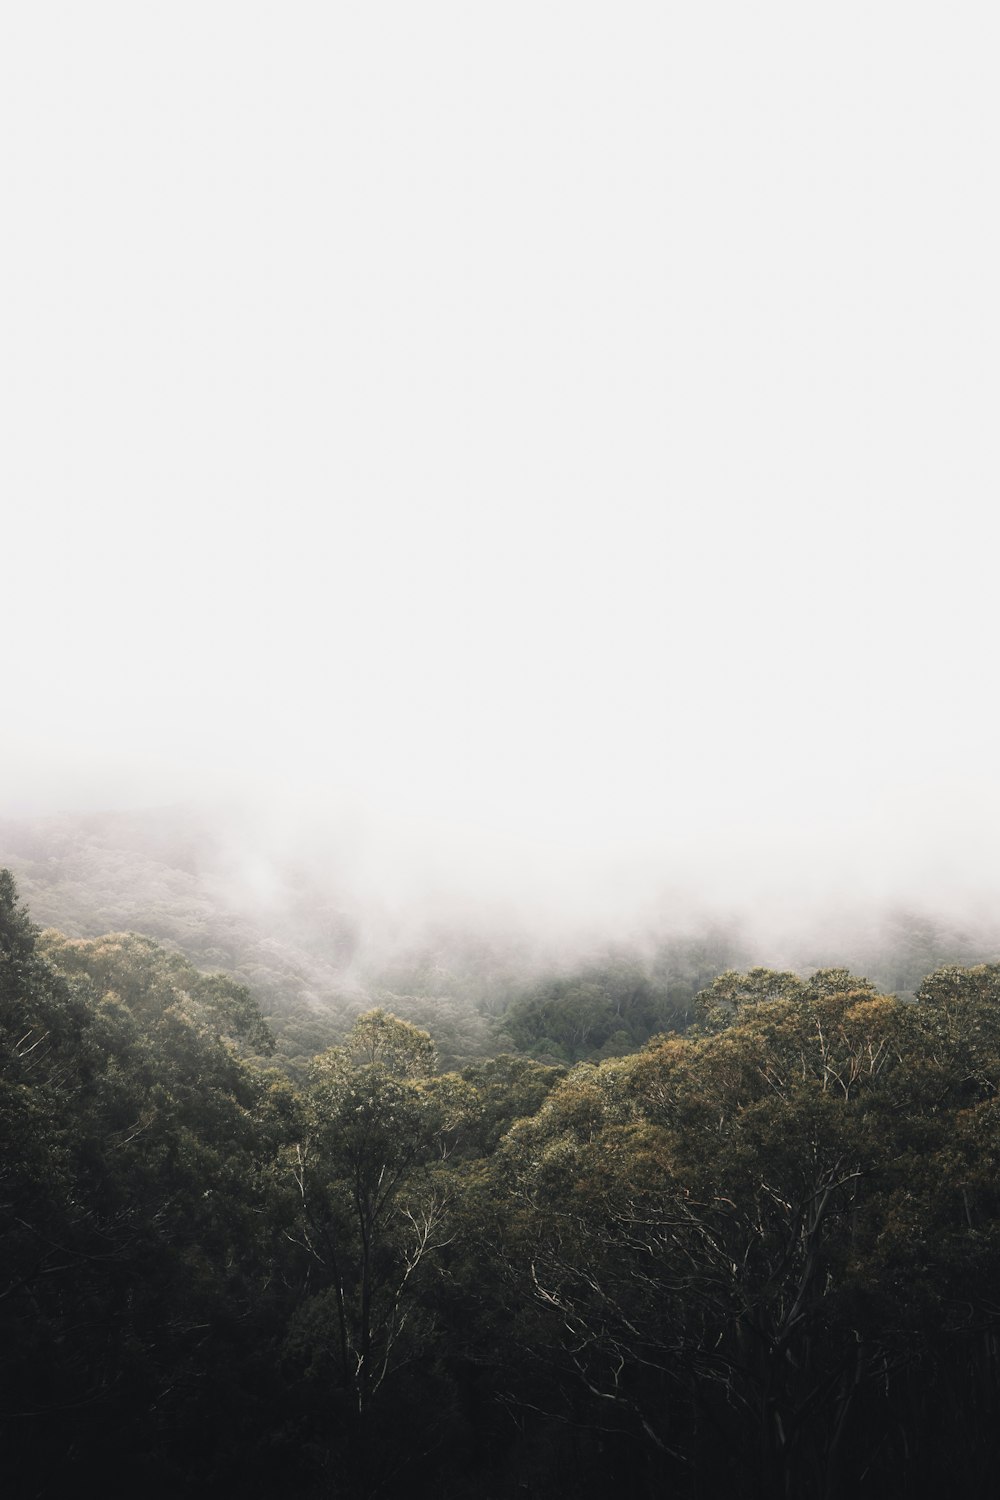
(285, 918)
(752, 1253)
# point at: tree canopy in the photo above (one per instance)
(757, 1256)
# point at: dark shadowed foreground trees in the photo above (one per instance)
(374, 1210)
(756, 1259)
(762, 1260)
(141, 1239)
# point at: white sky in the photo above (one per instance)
(561, 434)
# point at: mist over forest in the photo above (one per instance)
(284, 913)
(314, 1214)
(499, 899)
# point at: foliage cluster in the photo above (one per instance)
(757, 1257)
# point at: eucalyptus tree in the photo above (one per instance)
(753, 1248)
(374, 1212)
(136, 1211)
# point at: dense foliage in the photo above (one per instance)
(755, 1257)
(273, 908)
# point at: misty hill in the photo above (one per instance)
(180, 878)
(512, 1279)
(286, 917)
(235, 898)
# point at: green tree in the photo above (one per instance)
(717, 1243)
(374, 1206)
(138, 1224)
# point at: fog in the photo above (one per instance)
(536, 461)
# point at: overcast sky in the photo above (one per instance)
(555, 434)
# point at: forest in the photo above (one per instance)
(739, 1240)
